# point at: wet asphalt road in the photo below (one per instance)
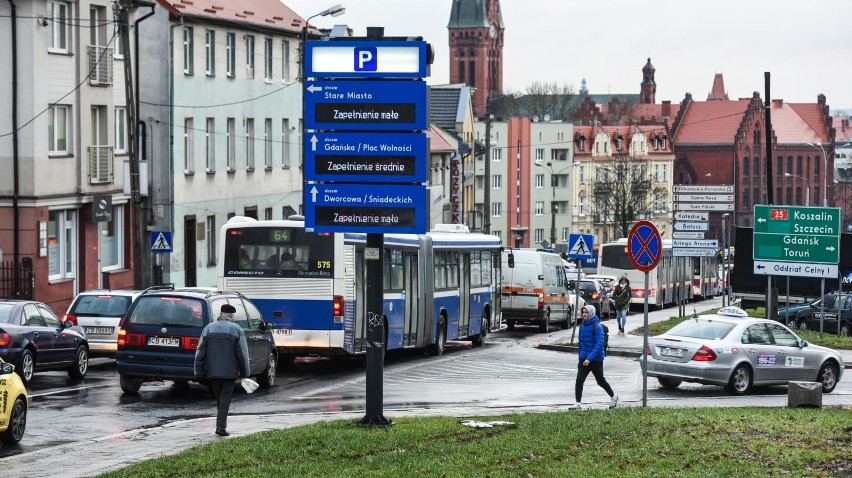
(507, 372)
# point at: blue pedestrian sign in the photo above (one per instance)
(366, 59)
(644, 246)
(366, 157)
(580, 246)
(390, 208)
(161, 241)
(366, 105)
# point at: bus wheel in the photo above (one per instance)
(441, 339)
(479, 340)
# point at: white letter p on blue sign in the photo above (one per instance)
(365, 59)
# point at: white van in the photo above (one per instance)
(534, 290)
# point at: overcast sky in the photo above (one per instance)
(805, 45)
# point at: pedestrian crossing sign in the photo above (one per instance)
(580, 246)
(161, 241)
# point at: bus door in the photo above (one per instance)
(412, 300)
(464, 295)
(496, 295)
(360, 333)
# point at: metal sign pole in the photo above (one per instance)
(645, 348)
(821, 306)
(576, 304)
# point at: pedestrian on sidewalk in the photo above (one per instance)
(221, 358)
(622, 302)
(591, 354)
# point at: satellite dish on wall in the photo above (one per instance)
(546, 117)
(535, 119)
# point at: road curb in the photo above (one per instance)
(612, 352)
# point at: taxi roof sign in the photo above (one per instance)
(732, 312)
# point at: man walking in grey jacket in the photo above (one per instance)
(222, 357)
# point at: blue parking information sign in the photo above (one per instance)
(390, 208)
(365, 58)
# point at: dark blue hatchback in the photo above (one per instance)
(158, 337)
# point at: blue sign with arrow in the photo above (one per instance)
(390, 208)
(366, 105)
(366, 157)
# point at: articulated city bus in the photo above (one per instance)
(438, 286)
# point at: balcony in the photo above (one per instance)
(100, 65)
(101, 164)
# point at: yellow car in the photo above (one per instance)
(13, 405)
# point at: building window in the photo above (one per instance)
(58, 129)
(267, 214)
(461, 71)
(789, 164)
(61, 244)
(496, 209)
(210, 49)
(657, 172)
(188, 146)
(799, 196)
(799, 165)
(267, 59)
(188, 63)
(472, 74)
(746, 170)
(496, 181)
(250, 56)
(756, 167)
(665, 172)
(539, 154)
(211, 240)
(267, 143)
(582, 174)
(250, 144)
(539, 181)
(496, 154)
(539, 208)
(60, 34)
(120, 130)
(230, 54)
(112, 240)
(746, 197)
(230, 144)
(210, 145)
(285, 60)
(779, 163)
(581, 204)
(285, 143)
(538, 235)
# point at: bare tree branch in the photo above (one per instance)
(623, 189)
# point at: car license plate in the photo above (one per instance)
(164, 341)
(283, 331)
(99, 330)
(670, 352)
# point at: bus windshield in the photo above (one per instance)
(614, 256)
(278, 252)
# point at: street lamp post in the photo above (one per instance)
(807, 186)
(553, 206)
(334, 11)
(824, 172)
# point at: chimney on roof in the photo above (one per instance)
(780, 103)
(667, 108)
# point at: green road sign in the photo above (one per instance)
(797, 234)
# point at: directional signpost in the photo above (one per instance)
(579, 247)
(645, 248)
(796, 241)
(366, 170)
(693, 203)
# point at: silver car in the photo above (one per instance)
(97, 313)
(731, 349)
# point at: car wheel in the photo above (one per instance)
(844, 330)
(81, 364)
(668, 383)
(17, 423)
(441, 339)
(740, 382)
(828, 377)
(568, 316)
(791, 322)
(129, 384)
(510, 325)
(26, 366)
(544, 326)
(267, 377)
(803, 324)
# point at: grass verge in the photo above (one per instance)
(742, 442)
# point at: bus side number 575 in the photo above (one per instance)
(323, 264)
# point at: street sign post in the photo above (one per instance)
(704, 188)
(781, 268)
(694, 252)
(691, 216)
(644, 248)
(580, 246)
(704, 197)
(366, 157)
(366, 59)
(687, 235)
(391, 208)
(689, 206)
(366, 105)
(691, 226)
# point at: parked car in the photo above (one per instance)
(594, 293)
(158, 337)
(97, 313)
(34, 339)
(14, 405)
(609, 282)
(804, 316)
(736, 351)
(830, 322)
(534, 290)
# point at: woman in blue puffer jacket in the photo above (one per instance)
(591, 354)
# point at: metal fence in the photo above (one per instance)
(25, 285)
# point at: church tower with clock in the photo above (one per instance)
(476, 49)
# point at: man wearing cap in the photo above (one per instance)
(221, 358)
